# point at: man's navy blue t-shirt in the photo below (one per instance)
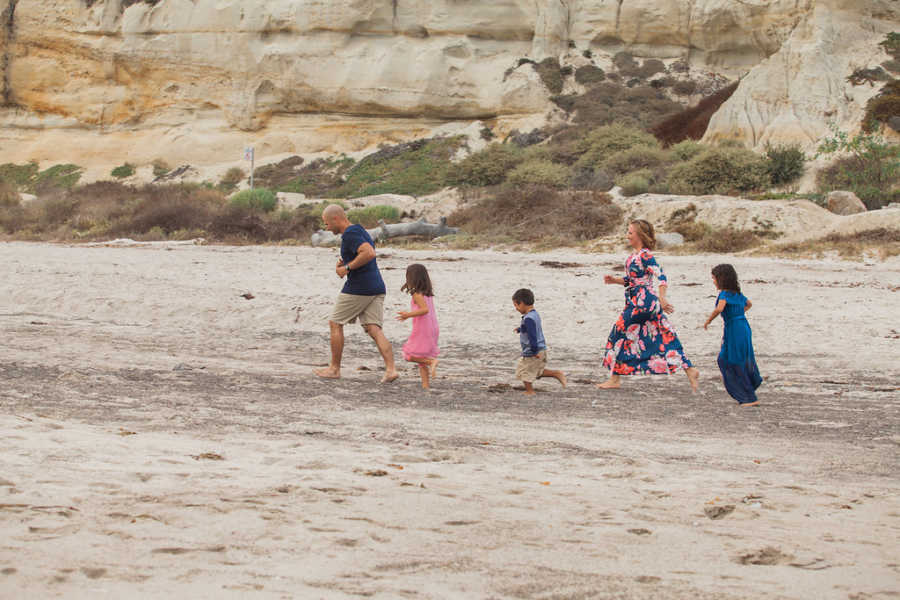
(365, 280)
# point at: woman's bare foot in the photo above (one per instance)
(389, 377)
(432, 367)
(328, 373)
(562, 379)
(750, 403)
(610, 384)
(693, 375)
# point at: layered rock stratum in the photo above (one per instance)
(102, 81)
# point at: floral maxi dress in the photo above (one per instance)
(642, 341)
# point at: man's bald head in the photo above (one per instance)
(333, 210)
(335, 219)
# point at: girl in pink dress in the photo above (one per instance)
(421, 347)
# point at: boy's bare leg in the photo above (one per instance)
(611, 383)
(557, 375)
(387, 352)
(423, 373)
(529, 389)
(333, 370)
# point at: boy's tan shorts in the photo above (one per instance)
(530, 368)
(368, 309)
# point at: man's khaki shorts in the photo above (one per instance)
(368, 309)
(530, 368)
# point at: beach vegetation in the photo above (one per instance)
(865, 164)
(257, 199)
(369, 216)
(123, 171)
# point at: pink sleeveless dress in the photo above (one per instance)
(423, 341)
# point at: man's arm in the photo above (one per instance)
(364, 255)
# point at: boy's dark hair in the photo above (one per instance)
(726, 278)
(524, 296)
(417, 280)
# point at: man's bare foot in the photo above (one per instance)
(529, 392)
(328, 373)
(693, 375)
(562, 379)
(610, 384)
(389, 377)
(432, 367)
(750, 403)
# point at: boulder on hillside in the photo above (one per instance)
(669, 239)
(844, 203)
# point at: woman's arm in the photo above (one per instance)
(748, 305)
(418, 300)
(663, 303)
(720, 306)
(613, 279)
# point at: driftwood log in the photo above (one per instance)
(385, 231)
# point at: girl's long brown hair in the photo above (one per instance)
(726, 278)
(417, 280)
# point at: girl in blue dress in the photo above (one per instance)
(642, 340)
(736, 360)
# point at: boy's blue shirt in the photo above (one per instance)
(531, 334)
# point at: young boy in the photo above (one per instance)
(533, 361)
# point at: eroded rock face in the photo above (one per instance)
(197, 78)
(796, 95)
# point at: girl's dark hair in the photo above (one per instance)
(417, 280)
(726, 278)
(645, 231)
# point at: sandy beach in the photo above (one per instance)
(162, 436)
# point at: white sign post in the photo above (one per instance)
(249, 155)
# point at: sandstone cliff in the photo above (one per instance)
(102, 81)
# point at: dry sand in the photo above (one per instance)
(161, 435)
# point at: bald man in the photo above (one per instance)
(362, 296)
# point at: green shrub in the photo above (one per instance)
(636, 183)
(257, 199)
(123, 171)
(632, 159)
(416, 168)
(9, 195)
(369, 216)
(538, 171)
(882, 107)
(551, 74)
(785, 163)
(651, 67)
(684, 88)
(63, 176)
(687, 149)
(487, 167)
(720, 171)
(589, 74)
(231, 179)
(870, 168)
(22, 176)
(160, 167)
(604, 141)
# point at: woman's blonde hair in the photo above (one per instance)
(645, 231)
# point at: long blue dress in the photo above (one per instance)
(736, 359)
